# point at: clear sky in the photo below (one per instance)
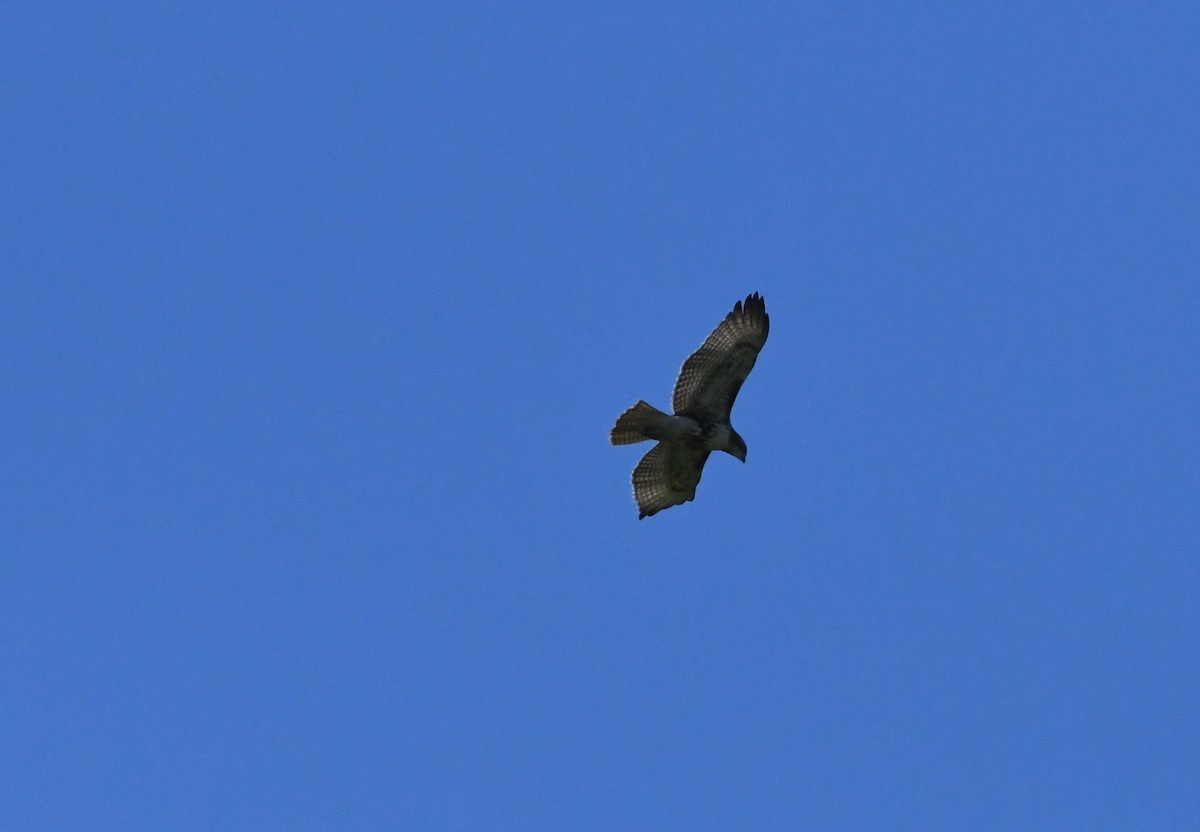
(315, 320)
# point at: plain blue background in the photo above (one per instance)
(316, 317)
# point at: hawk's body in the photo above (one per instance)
(704, 392)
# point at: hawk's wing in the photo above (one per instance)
(667, 476)
(709, 381)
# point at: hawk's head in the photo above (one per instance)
(737, 445)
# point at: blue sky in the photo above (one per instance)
(316, 318)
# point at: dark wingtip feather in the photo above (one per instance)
(752, 301)
(755, 305)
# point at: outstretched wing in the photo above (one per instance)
(711, 378)
(667, 476)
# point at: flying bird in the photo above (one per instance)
(704, 392)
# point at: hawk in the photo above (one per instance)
(704, 392)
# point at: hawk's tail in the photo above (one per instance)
(639, 423)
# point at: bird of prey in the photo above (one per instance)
(704, 393)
